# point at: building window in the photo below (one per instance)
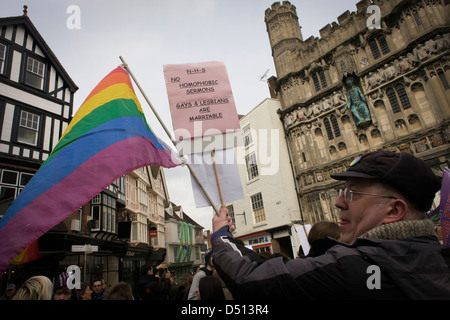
(231, 213)
(28, 128)
(34, 74)
(2, 58)
(398, 98)
(103, 213)
(379, 45)
(11, 184)
(443, 79)
(252, 167)
(326, 122)
(337, 131)
(334, 126)
(320, 81)
(247, 136)
(258, 208)
(263, 249)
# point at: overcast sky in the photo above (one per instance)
(150, 34)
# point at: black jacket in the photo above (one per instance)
(150, 288)
(411, 268)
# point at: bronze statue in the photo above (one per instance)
(357, 103)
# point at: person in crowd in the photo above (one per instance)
(120, 291)
(150, 287)
(10, 292)
(388, 249)
(202, 272)
(61, 291)
(85, 292)
(184, 286)
(97, 289)
(210, 288)
(35, 288)
(227, 294)
(319, 234)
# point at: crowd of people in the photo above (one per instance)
(155, 283)
(382, 224)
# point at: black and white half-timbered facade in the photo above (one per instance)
(36, 104)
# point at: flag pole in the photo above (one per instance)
(127, 68)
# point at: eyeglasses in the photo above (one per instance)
(348, 194)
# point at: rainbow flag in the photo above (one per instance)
(445, 207)
(107, 138)
(30, 253)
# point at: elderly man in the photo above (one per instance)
(388, 249)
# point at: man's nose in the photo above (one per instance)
(340, 202)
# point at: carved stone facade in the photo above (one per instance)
(398, 97)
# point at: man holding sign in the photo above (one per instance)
(389, 251)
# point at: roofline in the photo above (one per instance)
(44, 46)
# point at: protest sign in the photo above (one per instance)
(202, 107)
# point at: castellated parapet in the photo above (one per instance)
(344, 46)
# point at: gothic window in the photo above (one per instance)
(335, 124)
(403, 96)
(398, 98)
(326, 122)
(332, 128)
(379, 46)
(443, 79)
(320, 81)
(393, 100)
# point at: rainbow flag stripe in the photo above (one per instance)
(107, 138)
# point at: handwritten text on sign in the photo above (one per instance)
(201, 100)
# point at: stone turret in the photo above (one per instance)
(285, 36)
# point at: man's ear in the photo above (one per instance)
(397, 210)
